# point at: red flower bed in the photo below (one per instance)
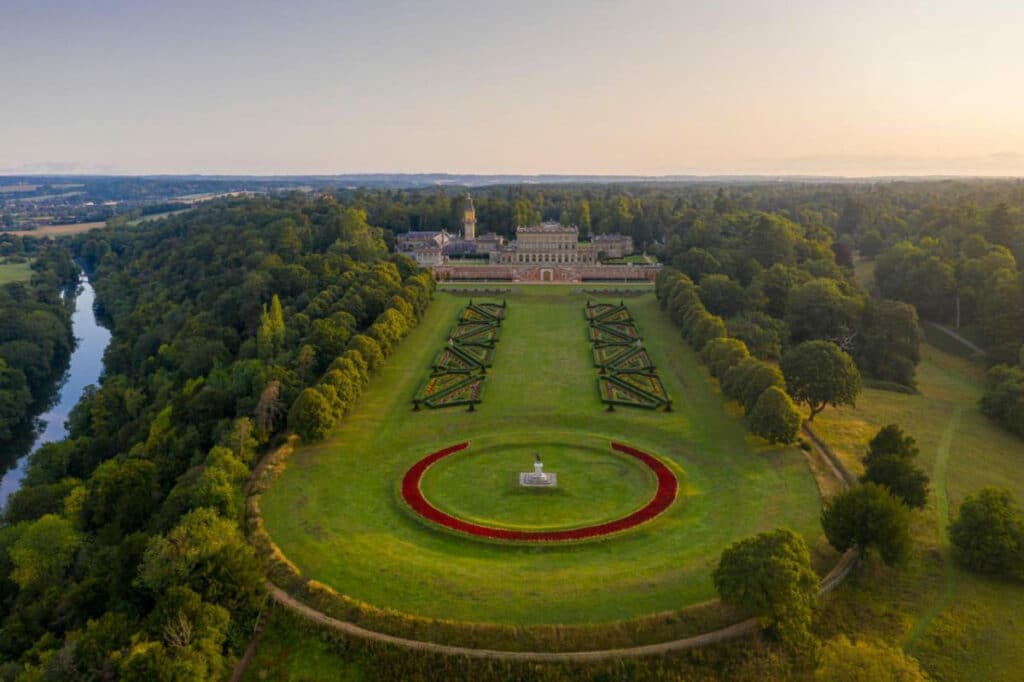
(668, 487)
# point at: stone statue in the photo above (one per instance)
(537, 478)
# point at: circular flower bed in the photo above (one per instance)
(668, 487)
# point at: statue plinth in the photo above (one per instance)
(537, 478)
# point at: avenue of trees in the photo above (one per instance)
(122, 555)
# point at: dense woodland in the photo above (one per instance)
(35, 335)
(250, 318)
(774, 260)
(122, 554)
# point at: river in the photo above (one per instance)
(85, 368)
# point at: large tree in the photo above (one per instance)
(770, 575)
(888, 347)
(43, 552)
(820, 373)
(821, 309)
(867, 517)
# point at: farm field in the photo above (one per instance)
(59, 230)
(336, 510)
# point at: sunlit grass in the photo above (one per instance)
(336, 513)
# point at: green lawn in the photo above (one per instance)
(596, 484)
(15, 272)
(337, 514)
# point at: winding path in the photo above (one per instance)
(746, 627)
(942, 528)
(959, 337)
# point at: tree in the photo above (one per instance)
(1003, 400)
(369, 349)
(705, 328)
(122, 493)
(775, 417)
(891, 441)
(269, 409)
(988, 533)
(761, 333)
(770, 575)
(820, 373)
(311, 415)
(868, 516)
(722, 354)
(901, 477)
(270, 336)
(43, 552)
(888, 348)
(749, 379)
(207, 554)
(14, 399)
(722, 295)
(842, 660)
(819, 309)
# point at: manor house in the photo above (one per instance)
(548, 252)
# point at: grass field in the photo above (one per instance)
(336, 513)
(15, 272)
(961, 626)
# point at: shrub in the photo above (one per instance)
(775, 417)
(988, 533)
(841, 659)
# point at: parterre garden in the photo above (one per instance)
(337, 511)
(627, 373)
(457, 374)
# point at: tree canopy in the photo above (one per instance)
(820, 373)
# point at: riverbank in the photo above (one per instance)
(85, 368)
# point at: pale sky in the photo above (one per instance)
(328, 86)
